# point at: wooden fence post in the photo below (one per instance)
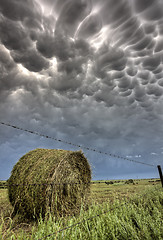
(160, 173)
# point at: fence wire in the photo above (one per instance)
(78, 223)
(77, 145)
(55, 183)
(88, 219)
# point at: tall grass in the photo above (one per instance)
(141, 217)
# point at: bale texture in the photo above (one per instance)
(49, 180)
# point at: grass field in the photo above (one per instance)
(119, 190)
(133, 211)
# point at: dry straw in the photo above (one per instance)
(45, 166)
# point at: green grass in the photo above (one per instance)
(119, 190)
(133, 212)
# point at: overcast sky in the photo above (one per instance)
(85, 71)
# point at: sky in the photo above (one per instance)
(85, 71)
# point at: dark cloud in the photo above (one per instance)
(71, 15)
(155, 90)
(160, 82)
(119, 12)
(18, 10)
(152, 62)
(149, 28)
(61, 47)
(89, 72)
(155, 12)
(159, 45)
(16, 38)
(129, 27)
(139, 92)
(46, 45)
(83, 48)
(58, 46)
(13, 35)
(110, 59)
(30, 59)
(144, 43)
(131, 71)
(157, 70)
(124, 83)
(142, 5)
(160, 27)
(71, 65)
(89, 27)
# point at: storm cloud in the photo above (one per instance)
(86, 71)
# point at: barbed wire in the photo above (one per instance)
(108, 182)
(91, 218)
(52, 184)
(56, 183)
(78, 223)
(77, 145)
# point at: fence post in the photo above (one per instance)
(160, 173)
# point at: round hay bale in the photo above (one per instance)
(49, 180)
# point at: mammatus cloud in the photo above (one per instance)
(84, 70)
